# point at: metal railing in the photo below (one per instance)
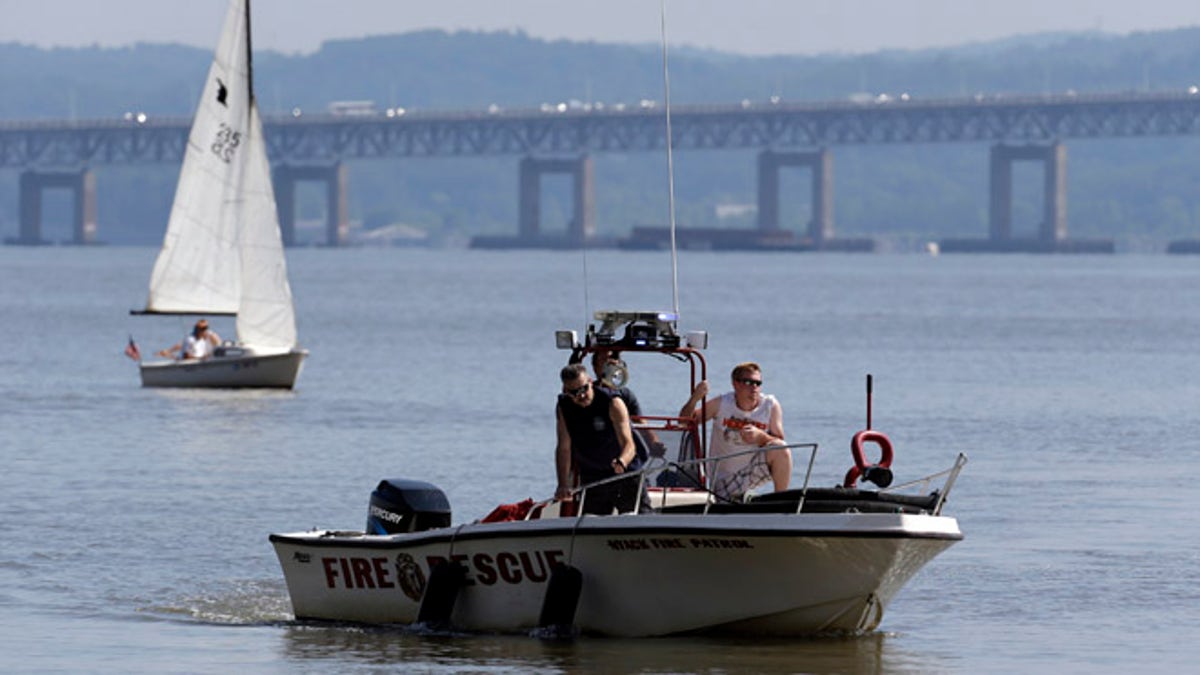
(704, 466)
(923, 484)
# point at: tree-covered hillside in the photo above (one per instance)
(1116, 188)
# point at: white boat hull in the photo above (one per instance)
(643, 575)
(245, 371)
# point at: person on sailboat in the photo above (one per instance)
(745, 419)
(198, 345)
(595, 439)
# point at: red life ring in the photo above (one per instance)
(860, 462)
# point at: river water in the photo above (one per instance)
(134, 522)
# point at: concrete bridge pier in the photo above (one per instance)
(1051, 234)
(336, 180)
(583, 221)
(770, 234)
(33, 185)
(1053, 227)
(820, 227)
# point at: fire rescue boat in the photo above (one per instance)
(804, 561)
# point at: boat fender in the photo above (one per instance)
(879, 473)
(557, 620)
(437, 603)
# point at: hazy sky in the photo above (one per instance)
(744, 26)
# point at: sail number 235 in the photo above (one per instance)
(226, 143)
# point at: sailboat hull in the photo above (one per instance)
(278, 371)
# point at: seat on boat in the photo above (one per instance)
(839, 500)
(729, 507)
(818, 500)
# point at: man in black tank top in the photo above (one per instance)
(594, 439)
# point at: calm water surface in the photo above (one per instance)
(134, 522)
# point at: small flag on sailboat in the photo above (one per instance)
(132, 351)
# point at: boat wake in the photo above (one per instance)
(248, 603)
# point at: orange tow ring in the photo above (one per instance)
(880, 473)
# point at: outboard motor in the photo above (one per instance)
(399, 505)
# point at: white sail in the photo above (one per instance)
(265, 318)
(223, 252)
(198, 270)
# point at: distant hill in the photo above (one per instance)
(1119, 187)
(436, 69)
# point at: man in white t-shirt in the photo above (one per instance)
(745, 419)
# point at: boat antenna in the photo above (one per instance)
(670, 164)
(586, 319)
(868, 400)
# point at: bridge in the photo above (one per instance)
(563, 138)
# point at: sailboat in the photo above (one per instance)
(223, 251)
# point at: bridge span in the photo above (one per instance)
(64, 154)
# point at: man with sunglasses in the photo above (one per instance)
(594, 438)
(745, 419)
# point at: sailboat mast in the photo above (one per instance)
(249, 56)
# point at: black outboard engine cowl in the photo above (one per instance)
(399, 505)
